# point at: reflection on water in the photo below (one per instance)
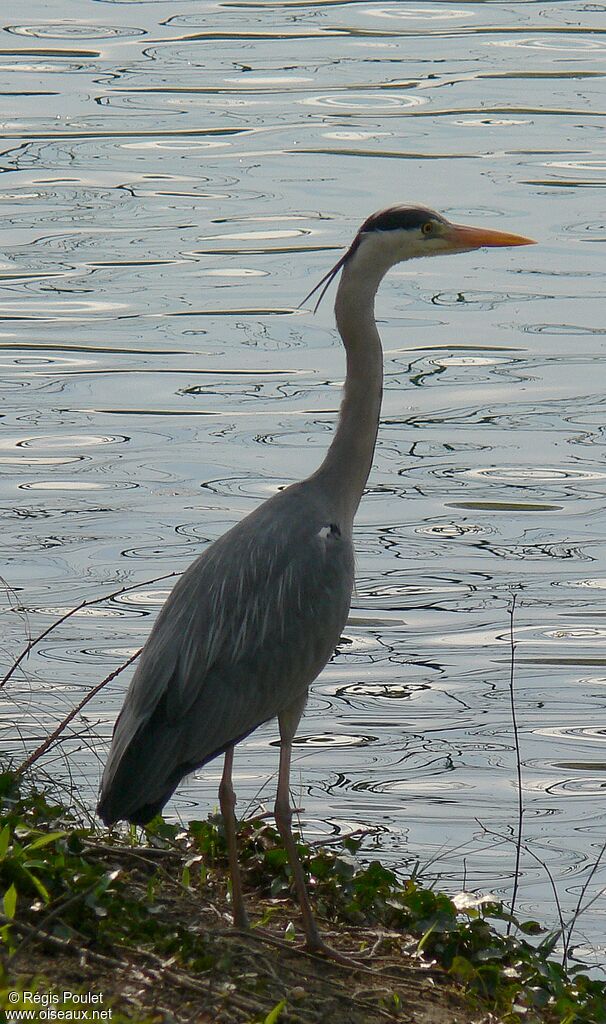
(175, 179)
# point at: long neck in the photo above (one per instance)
(344, 471)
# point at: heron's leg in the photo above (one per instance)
(227, 803)
(314, 942)
(283, 815)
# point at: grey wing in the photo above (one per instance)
(244, 632)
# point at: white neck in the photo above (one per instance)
(345, 469)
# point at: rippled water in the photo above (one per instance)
(175, 177)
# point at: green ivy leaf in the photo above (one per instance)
(10, 902)
(44, 840)
(274, 1015)
(5, 838)
(531, 928)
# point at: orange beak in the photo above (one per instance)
(463, 237)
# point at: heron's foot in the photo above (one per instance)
(240, 917)
(318, 946)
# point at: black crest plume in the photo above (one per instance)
(394, 218)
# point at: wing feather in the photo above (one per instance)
(245, 630)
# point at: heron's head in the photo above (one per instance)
(407, 232)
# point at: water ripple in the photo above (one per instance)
(73, 30)
(175, 181)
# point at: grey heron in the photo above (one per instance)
(257, 616)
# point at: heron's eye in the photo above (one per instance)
(427, 228)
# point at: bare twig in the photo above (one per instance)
(516, 737)
(148, 855)
(554, 888)
(15, 604)
(65, 945)
(78, 608)
(579, 909)
(355, 833)
(41, 930)
(54, 736)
